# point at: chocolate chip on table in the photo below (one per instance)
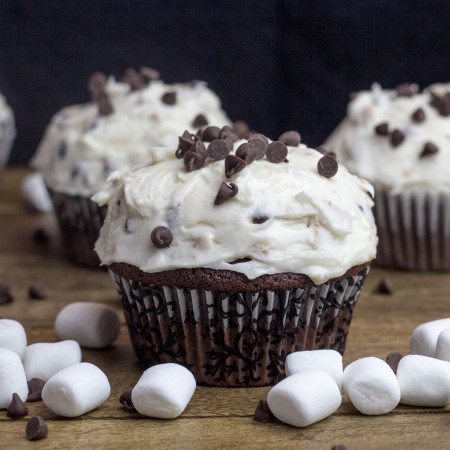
(393, 359)
(429, 149)
(247, 152)
(260, 219)
(125, 400)
(260, 145)
(291, 138)
(225, 192)
(36, 428)
(105, 107)
(397, 137)
(327, 166)
(382, 129)
(40, 236)
(339, 447)
(200, 121)
(276, 152)
(149, 74)
(233, 164)
(418, 115)
(6, 295)
(193, 161)
(406, 90)
(219, 149)
(35, 386)
(169, 98)
(17, 408)
(384, 286)
(37, 291)
(161, 237)
(210, 134)
(263, 413)
(241, 128)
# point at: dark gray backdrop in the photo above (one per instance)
(277, 64)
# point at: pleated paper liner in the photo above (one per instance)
(236, 338)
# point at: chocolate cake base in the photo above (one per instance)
(234, 337)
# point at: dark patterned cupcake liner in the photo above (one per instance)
(236, 338)
(413, 230)
(80, 220)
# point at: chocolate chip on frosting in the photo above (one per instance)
(193, 161)
(149, 74)
(397, 137)
(241, 129)
(134, 79)
(161, 237)
(105, 107)
(260, 219)
(184, 144)
(17, 408)
(210, 134)
(382, 129)
(233, 164)
(260, 136)
(199, 147)
(219, 149)
(199, 121)
(247, 152)
(96, 84)
(441, 104)
(429, 149)
(227, 133)
(327, 166)
(406, 89)
(418, 115)
(291, 138)
(276, 152)
(169, 98)
(225, 192)
(260, 145)
(62, 149)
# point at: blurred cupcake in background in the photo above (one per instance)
(399, 140)
(7, 131)
(127, 124)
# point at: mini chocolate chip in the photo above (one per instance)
(36, 428)
(161, 237)
(260, 146)
(384, 286)
(193, 161)
(211, 134)
(276, 152)
(327, 166)
(241, 129)
(339, 447)
(263, 413)
(406, 90)
(291, 138)
(393, 359)
(35, 386)
(225, 192)
(169, 98)
(418, 115)
(184, 144)
(149, 74)
(260, 136)
(96, 84)
(429, 149)
(134, 79)
(260, 219)
(17, 408)
(218, 149)
(247, 152)
(382, 129)
(37, 291)
(233, 164)
(397, 137)
(6, 295)
(125, 400)
(200, 121)
(105, 107)
(199, 147)
(40, 236)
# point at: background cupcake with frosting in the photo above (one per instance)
(7, 131)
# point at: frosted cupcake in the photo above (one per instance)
(399, 140)
(7, 131)
(121, 128)
(237, 253)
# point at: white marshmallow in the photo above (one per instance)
(443, 345)
(329, 361)
(43, 360)
(424, 381)
(12, 378)
(425, 336)
(304, 398)
(163, 391)
(92, 325)
(13, 336)
(35, 193)
(371, 386)
(76, 390)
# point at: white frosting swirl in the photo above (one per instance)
(372, 156)
(7, 130)
(316, 226)
(80, 148)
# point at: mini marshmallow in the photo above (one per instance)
(12, 378)
(35, 193)
(92, 325)
(443, 346)
(76, 390)
(43, 360)
(163, 391)
(425, 336)
(424, 381)
(371, 386)
(304, 398)
(329, 361)
(12, 336)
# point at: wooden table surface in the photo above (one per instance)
(216, 417)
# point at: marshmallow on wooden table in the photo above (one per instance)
(35, 193)
(371, 386)
(76, 390)
(163, 391)
(92, 325)
(443, 345)
(425, 336)
(424, 381)
(43, 360)
(12, 378)
(12, 336)
(304, 398)
(330, 361)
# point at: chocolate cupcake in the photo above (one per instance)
(399, 141)
(7, 131)
(121, 128)
(237, 253)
